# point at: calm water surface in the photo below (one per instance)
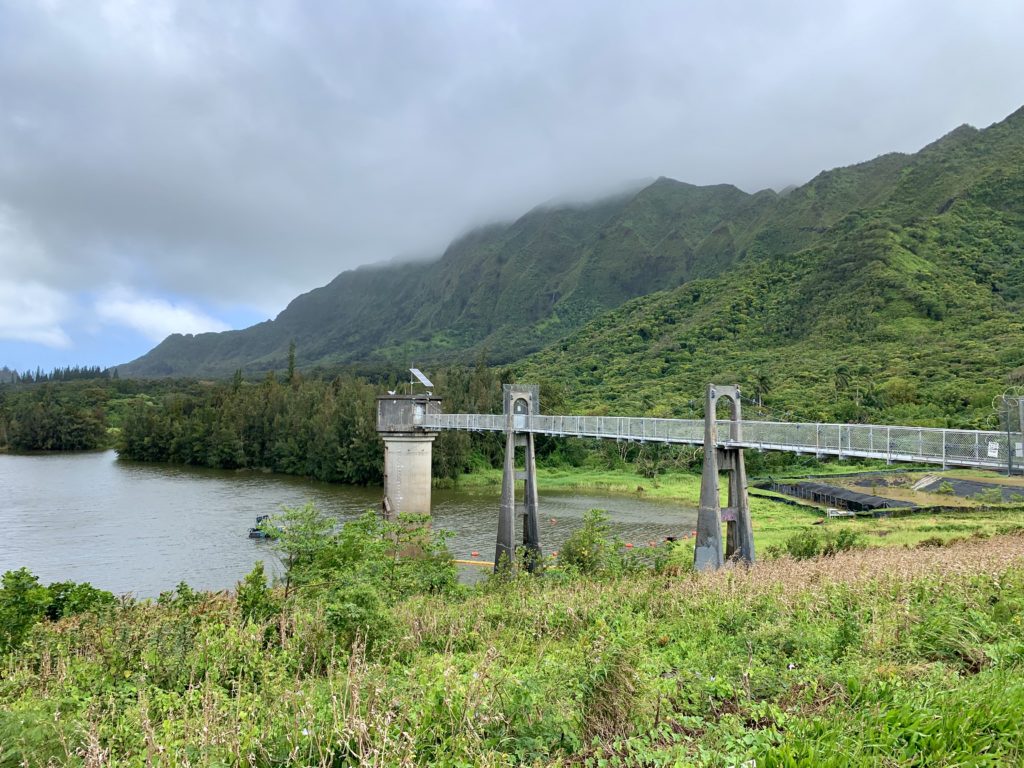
(142, 528)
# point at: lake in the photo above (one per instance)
(142, 528)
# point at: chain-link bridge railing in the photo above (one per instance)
(948, 447)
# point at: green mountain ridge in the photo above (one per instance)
(507, 288)
(907, 308)
(675, 284)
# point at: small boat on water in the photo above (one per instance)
(262, 533)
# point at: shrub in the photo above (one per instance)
(989, 496)
(803, 545)
(590, 549)
(398, 558)
(23, 602)
(945, 488)
(182, 596)
(807, 543)
(70, 599)
(840, 541)
(356, 610)
(255, 602)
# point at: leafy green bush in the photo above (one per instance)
(182, 596)
(357, 611)
(23, 602)
(807, 544)
(354, 572)
(989, 496)
(590, 549)
(68, 598)
(841, 541)
(256, 603)
(30, 738)
(803, 545)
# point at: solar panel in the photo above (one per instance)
(422, 379)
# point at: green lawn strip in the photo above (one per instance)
(682, 486)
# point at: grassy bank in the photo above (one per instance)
(679, 486)
(865, 658)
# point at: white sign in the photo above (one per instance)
(993, 450)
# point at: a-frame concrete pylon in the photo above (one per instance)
(520, 401)
(708, 553)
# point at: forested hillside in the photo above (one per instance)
(905, 309)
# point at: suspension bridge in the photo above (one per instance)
(409, 423)
(920, 445)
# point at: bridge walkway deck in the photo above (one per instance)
(925, 445)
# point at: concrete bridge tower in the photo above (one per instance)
(408, 451)
(708, 553)
(521, 401)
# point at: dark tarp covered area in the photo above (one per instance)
(834, 496)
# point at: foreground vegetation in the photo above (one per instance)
(864, 657)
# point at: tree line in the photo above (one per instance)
(74, 414)
(299, 425)
(50, 418)
(65, 373)
(311, 427)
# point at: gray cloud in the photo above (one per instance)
(243, 151)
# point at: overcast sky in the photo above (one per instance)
(187, 166)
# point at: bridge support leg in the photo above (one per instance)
(531, 525)
(708, 553)
(739, 530)
(505, 551)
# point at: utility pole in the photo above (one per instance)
(1009, 437)
(1020, 416)
(1008, 403)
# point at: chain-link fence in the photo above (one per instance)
(946, 447)
(1009, 407)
